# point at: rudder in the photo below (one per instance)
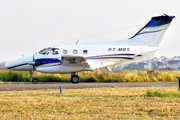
(152, 33)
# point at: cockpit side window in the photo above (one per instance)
(54, 51)
(44, 51)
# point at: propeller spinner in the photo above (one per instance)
(33, 63)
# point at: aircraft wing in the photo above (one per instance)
(72, 60)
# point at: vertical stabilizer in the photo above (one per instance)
(152, 33)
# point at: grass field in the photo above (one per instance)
(122, 76)
(93, 103)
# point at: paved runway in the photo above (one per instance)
(48, 85)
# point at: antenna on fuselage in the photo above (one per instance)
(78, 42)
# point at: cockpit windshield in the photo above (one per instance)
(49, 51)
(44, 51)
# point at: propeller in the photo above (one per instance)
(33, 63)
(34, 67)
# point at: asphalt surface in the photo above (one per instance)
(18, 86)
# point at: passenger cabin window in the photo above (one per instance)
(75, 52)
(85, 52)
(65, 52)
(44, 51)
(54, 51)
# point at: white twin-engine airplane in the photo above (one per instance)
(76, 58)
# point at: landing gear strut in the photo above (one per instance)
(30, 74)
(75, 78)
(34, 80)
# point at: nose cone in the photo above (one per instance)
(21, 64)
(7, 66)
(10, 65)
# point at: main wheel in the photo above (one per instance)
(75, 79)
(34, 81)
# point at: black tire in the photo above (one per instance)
(75, 79)
(34, 81)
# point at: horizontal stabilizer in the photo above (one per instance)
(109, 69)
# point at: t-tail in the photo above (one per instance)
(149, 37)
(152, 33)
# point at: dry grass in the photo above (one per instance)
(122, 76)
(95, 103)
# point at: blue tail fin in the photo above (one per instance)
(152, 33)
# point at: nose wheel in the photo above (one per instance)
(34, 81)
(75, 78)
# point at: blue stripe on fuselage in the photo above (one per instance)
(43, 61)
(111, 56)
(39, 62)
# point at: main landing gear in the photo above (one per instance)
(75, 78)
(34, 80)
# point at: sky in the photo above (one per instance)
(27, 26)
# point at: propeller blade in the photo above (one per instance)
(34, 68)
(33, 56)
(33, 62)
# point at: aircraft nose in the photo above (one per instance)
(7, 66)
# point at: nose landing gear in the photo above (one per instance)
(33, 80)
